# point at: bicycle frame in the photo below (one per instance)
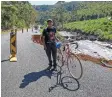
(65, 54)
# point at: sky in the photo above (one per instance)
(42, 2)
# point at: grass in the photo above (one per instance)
(101, 27)
(41, 30)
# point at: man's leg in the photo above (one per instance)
(48, 52)
(54, 55)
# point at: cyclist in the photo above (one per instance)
(49, 42)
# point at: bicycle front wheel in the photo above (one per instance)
(70, 83)
(74, 66)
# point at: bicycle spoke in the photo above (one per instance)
(75, 67)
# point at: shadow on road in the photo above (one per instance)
(67, 82)
(34, 76)
(5, 60)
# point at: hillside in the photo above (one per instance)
(74, 11)
(101, 27)
(86, 16)
(17, 13)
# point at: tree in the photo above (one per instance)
(17, 13)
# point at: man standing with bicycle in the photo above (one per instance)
(49, 42)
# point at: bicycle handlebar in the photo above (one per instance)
(67, 44)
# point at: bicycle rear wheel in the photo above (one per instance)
(74, 66)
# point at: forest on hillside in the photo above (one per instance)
(74, 11)
(102, 28)
(19, 14)
(90, 17)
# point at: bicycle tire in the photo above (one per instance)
(75, 67)
(65, 83)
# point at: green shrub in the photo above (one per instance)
(101, 27)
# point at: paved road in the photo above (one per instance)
(27, 77)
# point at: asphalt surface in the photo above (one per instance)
(27, 77)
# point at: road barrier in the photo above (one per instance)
(27, 29)
(13, 46)
(22, 30)
(32, 29)
(37, 39)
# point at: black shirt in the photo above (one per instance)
(49, 34)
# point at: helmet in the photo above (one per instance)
(58, 44)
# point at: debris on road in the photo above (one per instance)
(93, 51)
(36, 37)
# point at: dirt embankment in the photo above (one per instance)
(81, 35)
(93, 59)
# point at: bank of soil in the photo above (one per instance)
(93, 59)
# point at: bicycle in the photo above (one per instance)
(70, 83)
(67, 82)
(66, 57)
